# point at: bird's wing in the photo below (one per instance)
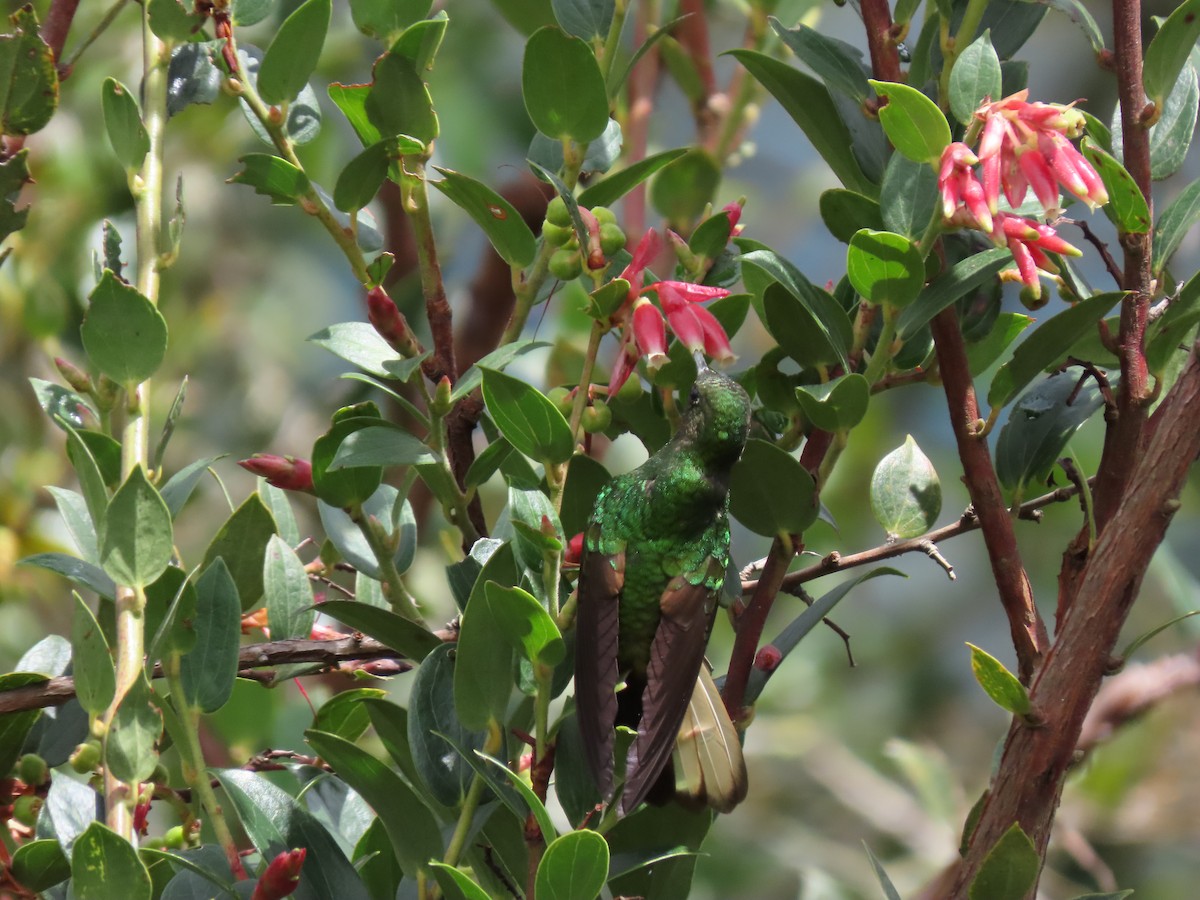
(709, 767)
(597, 627)
(675, 659)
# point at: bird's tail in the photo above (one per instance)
(708, 763)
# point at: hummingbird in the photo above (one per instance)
(655, 554)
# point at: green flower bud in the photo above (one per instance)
(565, 264)
(175, 837)
(556, 213)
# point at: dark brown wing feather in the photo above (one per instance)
(675, 659)
(597, 627)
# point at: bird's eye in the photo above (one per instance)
(694, 397)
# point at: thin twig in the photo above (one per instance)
(1102, 248)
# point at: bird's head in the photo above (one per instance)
(716, 419)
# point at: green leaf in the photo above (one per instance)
(294, 52)
(347, 485)
(1174, 223)
(999, 684)
(770, 492)
(1168, 51)
(124, 335)
(15, 726)
(1126, 206)
(983, 353)
(497, 359)
(28, 77)
(431, 714)
(885, 268)
(574, 867)
(275, 821)
(1046, 346)
(838, 64)
(272, 177)
(913, 122)
(808, 323)
(242, 544)
(91, 482)
(137, 542)
(394, 514)
(95, 678)
(359, 343)
(483, 670)
(587, 19)
(532, 801)
(837, 404)
(40, 864)
(345, 713)
(351, 99)
(563, 87)
(75, 570)
(399, 102)
(449, 877)
(123, 120)
(498, 218)
(385, 19)
(130, 752)
(73, 509)
(682, 191)
(250, 12)
(401, 634)
(303, 122)
(962, 278)
(101, 859)
(380, 445)
(360, 181)
(889, 889)
(288, 595)
(179, 487)
(210, 669)
(1171, 135)
(809, 104)
(171, 22)
(845, 212)
(1039, 427)
(975, 79)
(413, 830)
(1009, 870)
(906, 495)
(529, 421)
(526, 626)
(611, 189)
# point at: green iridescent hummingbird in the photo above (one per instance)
(653, 565)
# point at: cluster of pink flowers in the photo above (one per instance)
(643, 325)
(1022, 146)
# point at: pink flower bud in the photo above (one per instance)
(1014, 183)
(574, 551)
(1035, 168)
(140, 812)
(1025, 263)
(990, 171)
(281, 877)
(693, 293)
(976, 203)
(643, 254)
(768, 658)
(387, 319)
(622, 366)
(734, 211)
(287, 472)
(716, 341)
(1048, 239)
(649, 332)
(1061, 153)
(992, 139)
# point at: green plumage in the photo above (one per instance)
(655, 556)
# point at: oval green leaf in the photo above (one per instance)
(529, 421)
(100, 859)
(209, 669)
(294, 52)
(498, 218)
(525, 624)
(1168, 51)
(124, 335)
(617, 185)
(563, 87)
(906, 495)
(963, 277)
(998, 683)
(360, 181)
(95, 677)
(431, 714)
(399, 102)
(137, 542)
(835, 405)
(574, 867)
(1126, 206)
(242, 543)
(1009, 870)
(913, 122)
(483, 673)
(401, 634)
(845, 212)
(123, 121)
(287, 592)
(885, 267)
(770, 492)
(975, 78)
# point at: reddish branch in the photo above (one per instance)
(1133, 692)
(1036, 760)
(885, 60)
(1028, 631)
(58, 24)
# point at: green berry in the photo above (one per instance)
(561, 397)
(596, 417)
(565, 264)
(174, 838)
(557, 235)
(26, 809)
(631, 390)
(604, 215)
(612, 238)
(32, 770)
(86, 757)
(556, 213)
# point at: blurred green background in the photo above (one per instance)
(891, 752)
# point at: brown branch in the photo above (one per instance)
(885, 60)
(1133, 692)
(835, 562)
(58, 24)
(1102, 248)
(1036, 760)
(1025, 623)
(57, 691)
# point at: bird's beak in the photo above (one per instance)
(701, 365)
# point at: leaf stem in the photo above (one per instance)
(458, 840)
(378, 540)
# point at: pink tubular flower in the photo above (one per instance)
(1029, 242)
(289, 473)
(643, 254)
(1032, 143)
(695, 326)
(649, 332)
(959, 187)
(281, 877)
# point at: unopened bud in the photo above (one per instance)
(86, 757)
(289, 473)
(442, 404)
(32, 770)
(768, 658)
(281, 877)
(73, 375)
(574, 549)
(387, 319)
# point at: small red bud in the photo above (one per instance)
(390, 322)
(281, 877)
(73, 375)
(768, 658)
(286, 472)
(574, 549)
